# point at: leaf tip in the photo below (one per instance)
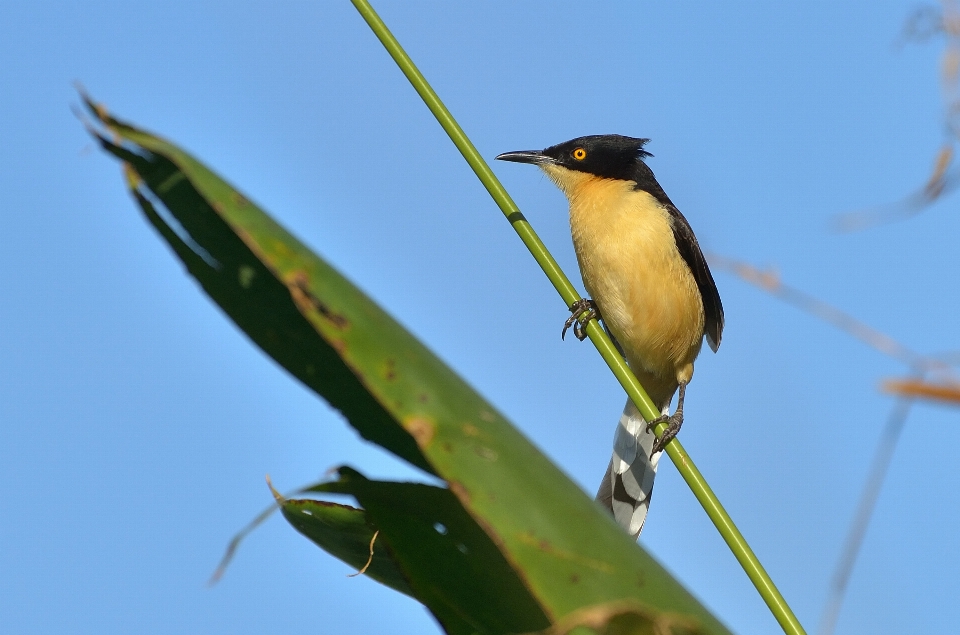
(276, 495)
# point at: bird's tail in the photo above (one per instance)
(628, 483)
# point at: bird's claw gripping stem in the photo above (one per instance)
(582, 311)
(673, 422)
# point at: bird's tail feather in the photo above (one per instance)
(628, 484)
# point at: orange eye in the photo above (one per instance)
(579, 154)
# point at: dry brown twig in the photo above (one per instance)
(925, 23)
(946, 386)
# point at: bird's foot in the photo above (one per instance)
(583, 310)
(674, 422)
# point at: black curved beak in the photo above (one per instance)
(537, 157)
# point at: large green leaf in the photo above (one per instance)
(568, 552)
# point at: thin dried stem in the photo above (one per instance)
(770, 282)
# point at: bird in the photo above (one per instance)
(650, 287)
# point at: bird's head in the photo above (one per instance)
(608, 156)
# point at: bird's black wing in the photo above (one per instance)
(690, 250)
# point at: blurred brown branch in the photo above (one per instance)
(940, 182)
(942, 391)
(770, 282)
(925, 23)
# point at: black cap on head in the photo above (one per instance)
(609, 156)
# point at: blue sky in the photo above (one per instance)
(137, 423)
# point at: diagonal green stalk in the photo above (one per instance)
(684, 464)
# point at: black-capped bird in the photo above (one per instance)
(650, 286)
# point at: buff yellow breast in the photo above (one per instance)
(632, 269)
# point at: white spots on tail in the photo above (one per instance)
(628, 484)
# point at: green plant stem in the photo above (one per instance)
(711, 504)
